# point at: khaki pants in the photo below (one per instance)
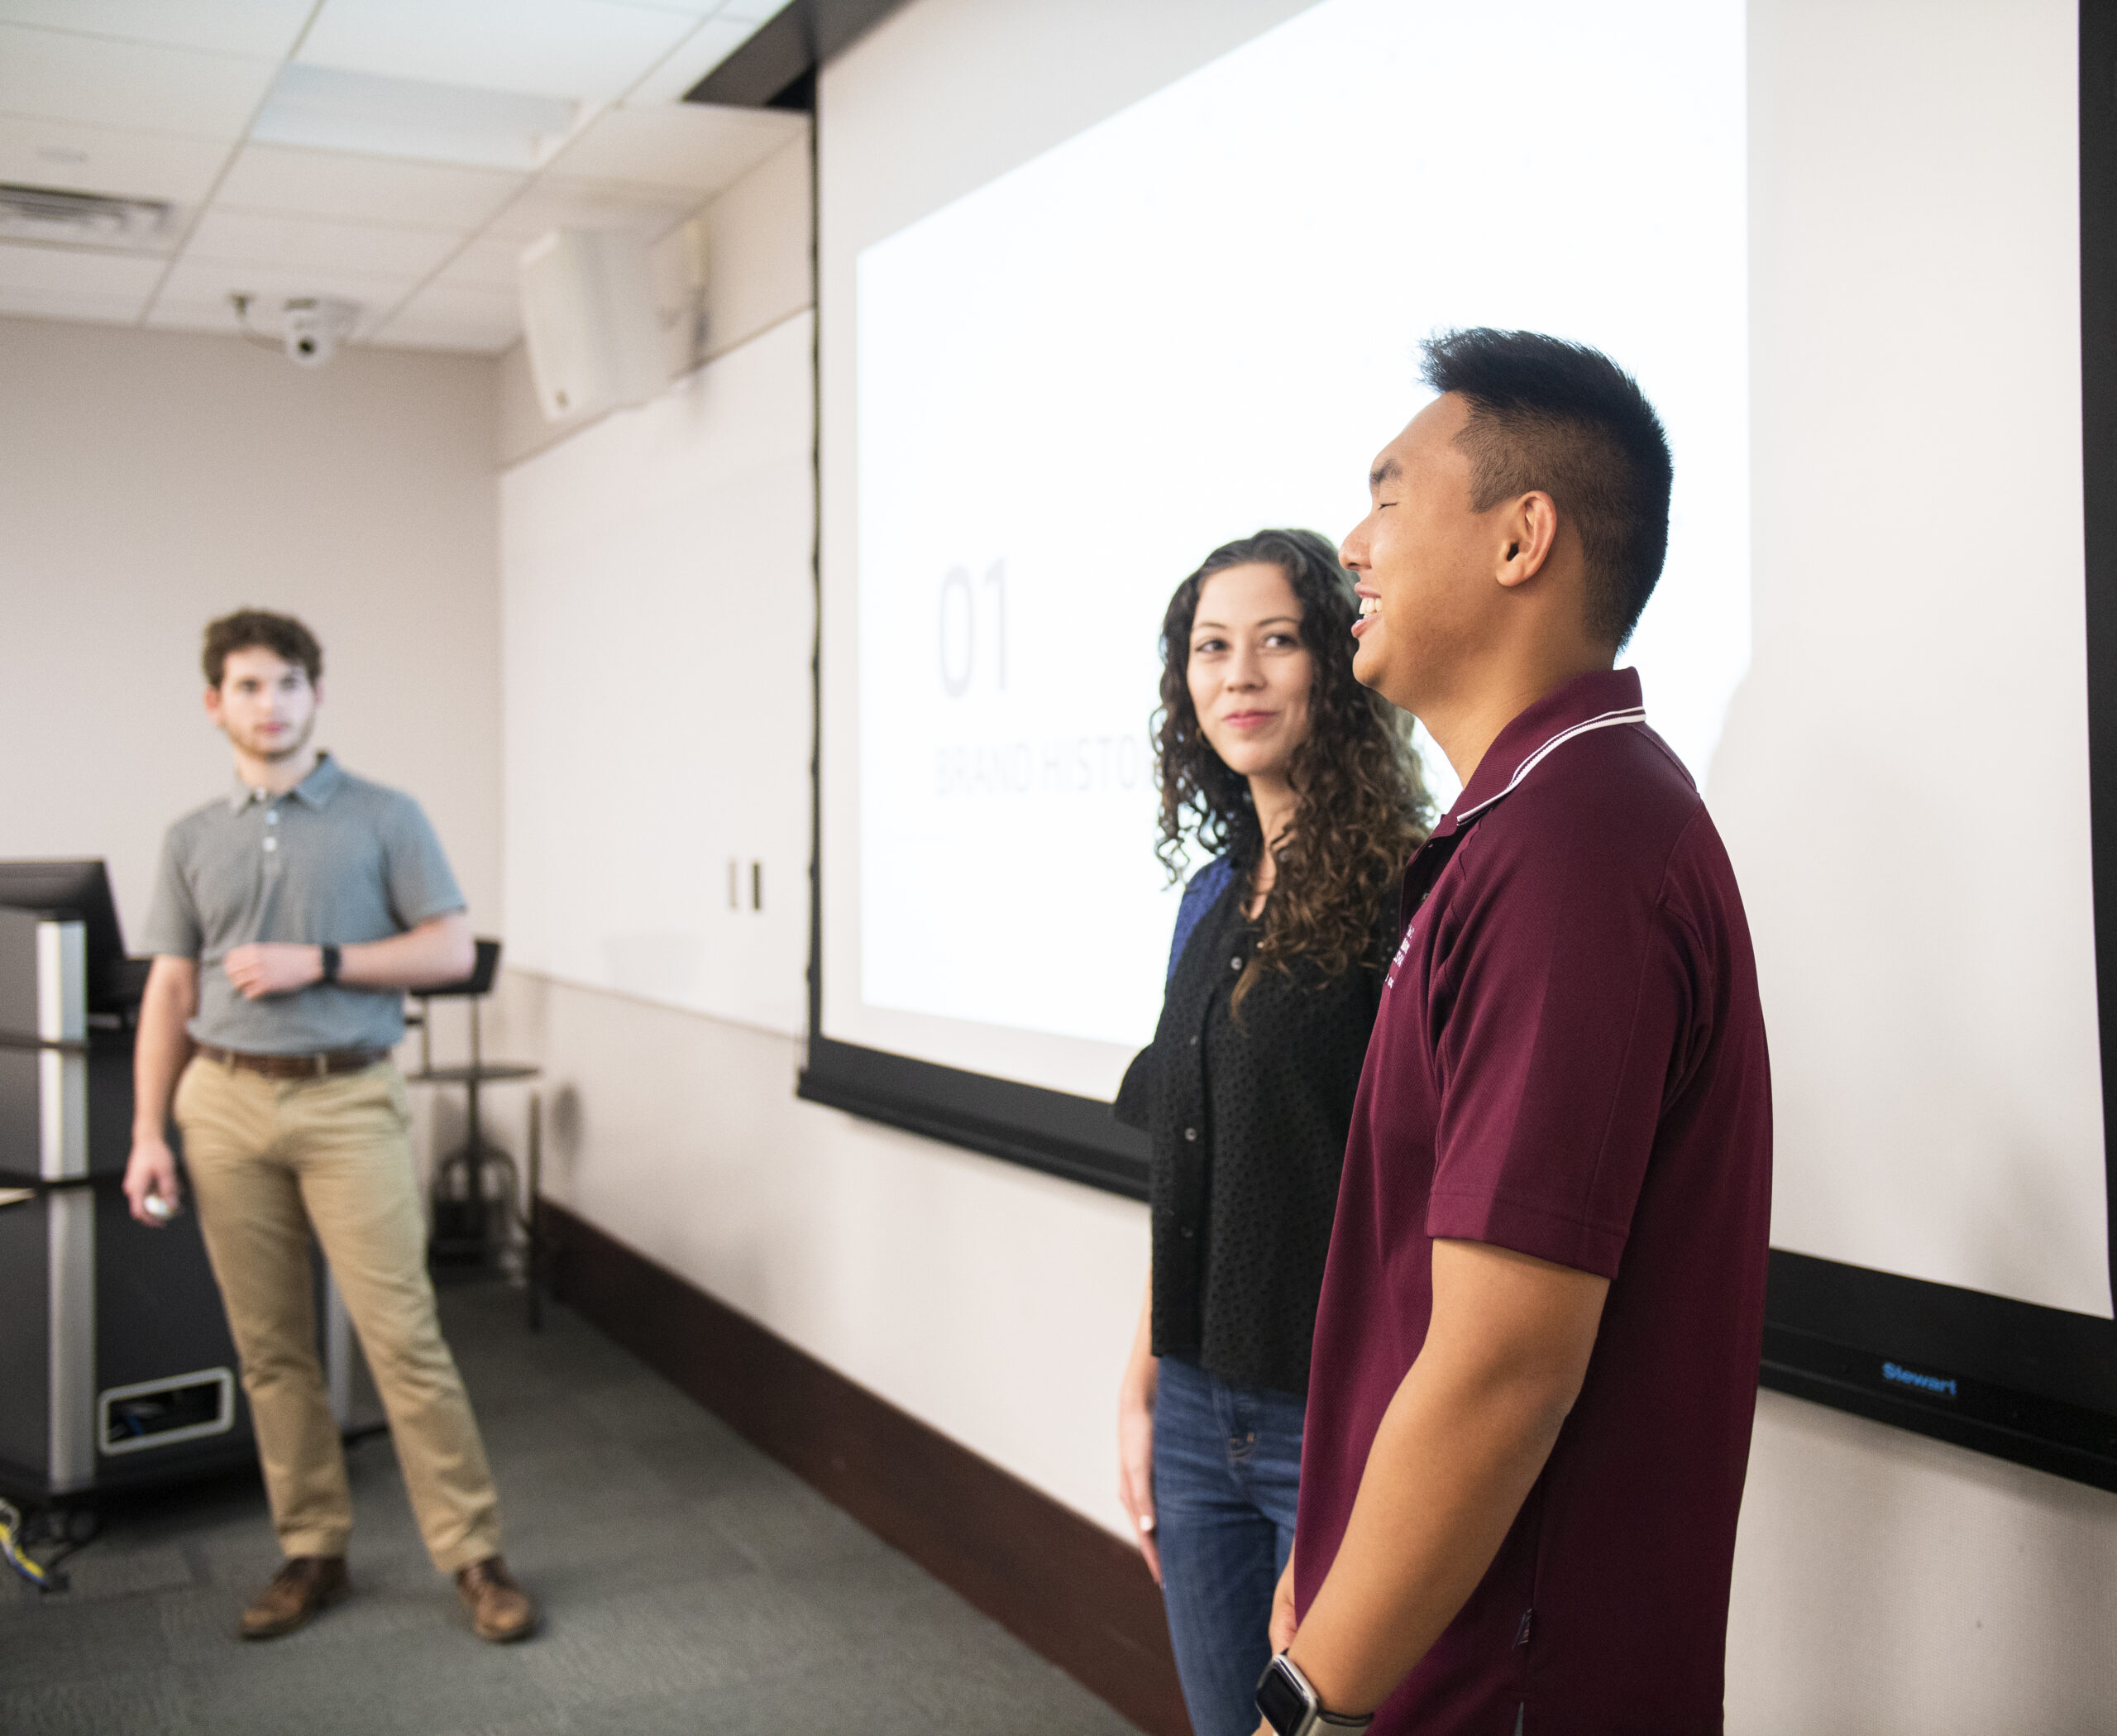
(270, 1159)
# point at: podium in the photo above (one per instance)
(117, 1368)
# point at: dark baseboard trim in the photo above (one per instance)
(1059, 1583)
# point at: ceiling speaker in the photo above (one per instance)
(588, 317)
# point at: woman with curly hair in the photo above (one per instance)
(1301, 786)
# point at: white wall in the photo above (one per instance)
(151, 481)
(965, 1290)
(994, 1302)
(657, 614)
(1886, 1585)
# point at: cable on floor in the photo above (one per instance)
(73, 1528)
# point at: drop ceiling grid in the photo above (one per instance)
(155, 98)
(262, 29)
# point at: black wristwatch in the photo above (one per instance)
(331, 958)
(1289, 1705)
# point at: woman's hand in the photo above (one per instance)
(1135, 1465)
(1136, 1436)
(1283, 1623)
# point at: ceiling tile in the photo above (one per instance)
(588, 50)
(488, 263)
(683, 146)
(691, 59)
(267, 238)
(208, 316)
(378, 114)
(63, 272)
(171, 316)
(558, 202)
(342, 184)
(116, 310)
(443, 316)
(54, 76)
(266, 28)
(196, 295)
(149, 165)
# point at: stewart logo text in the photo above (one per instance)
(1900, 1376)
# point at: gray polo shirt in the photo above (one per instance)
(336, 860)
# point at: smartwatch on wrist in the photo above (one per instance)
(331, 961)
(1287, 1703)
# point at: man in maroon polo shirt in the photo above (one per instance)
(1536, 1357)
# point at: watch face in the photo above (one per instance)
(1279, 1700)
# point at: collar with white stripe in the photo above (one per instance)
(1604, 720)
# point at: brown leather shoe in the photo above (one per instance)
(500, 1610)
(304, 1585)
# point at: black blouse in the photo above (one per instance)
(1248, 1119)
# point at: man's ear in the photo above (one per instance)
(1528, 530)
(213, 704)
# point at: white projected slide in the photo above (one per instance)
(1903, 779)
(1198, 318)
(1840, 252)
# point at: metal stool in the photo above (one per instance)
(476, 1189)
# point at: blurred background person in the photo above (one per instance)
(1301, 786)
(291, 916)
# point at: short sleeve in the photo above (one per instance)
(1568, 990)
(421, 885)
(173, 929)
(1133, 1105)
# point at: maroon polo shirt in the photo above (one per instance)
(1569, 1062)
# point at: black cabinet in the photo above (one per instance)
(116, 1364)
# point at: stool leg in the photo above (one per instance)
(531, 1255)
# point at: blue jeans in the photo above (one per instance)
(1227, 1469)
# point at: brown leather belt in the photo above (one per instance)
(297, 1066)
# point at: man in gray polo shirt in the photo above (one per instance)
(290, 917)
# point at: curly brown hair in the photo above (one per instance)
(1360, 806)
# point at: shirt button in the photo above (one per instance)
(271, 843)
(272, 817)
(1194, 1042)
(1234, 964)
(1185, 1232)
(1191, 1133)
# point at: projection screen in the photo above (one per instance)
(1092, 303)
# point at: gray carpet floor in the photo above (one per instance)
(689, 1584)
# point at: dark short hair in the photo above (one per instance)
(1565, 419)
(247, 628)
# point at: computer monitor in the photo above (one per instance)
(80, 890)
